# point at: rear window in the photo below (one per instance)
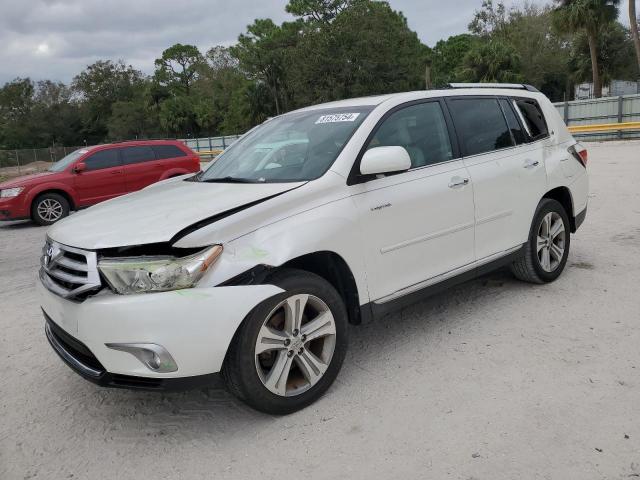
(480, 124)
(137, 154)
(168, 151)
(533, 118)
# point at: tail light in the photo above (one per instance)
(579, 153)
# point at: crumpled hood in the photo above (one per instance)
(157, 213)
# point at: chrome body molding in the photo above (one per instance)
(425, 238)
(445, 276)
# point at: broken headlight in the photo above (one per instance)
(157, 274)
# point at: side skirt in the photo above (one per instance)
(373, 311)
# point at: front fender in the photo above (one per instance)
(332, 227)
(45, 187)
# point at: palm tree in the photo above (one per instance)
(590, 16)
(633, 21)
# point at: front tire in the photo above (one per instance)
(547, 249)
(48, 208)
(289, 348)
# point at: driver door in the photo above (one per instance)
(102, 179)
(417, 224)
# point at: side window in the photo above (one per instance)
(421, 129)
(512, 122)
(533, 118)
(480, 125)
(137, 154)
(167, 151)
(103, 159)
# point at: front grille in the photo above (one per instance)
(69, 272)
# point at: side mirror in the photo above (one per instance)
(80, 167)
(385, 160)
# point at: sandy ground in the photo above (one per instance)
(495, 379)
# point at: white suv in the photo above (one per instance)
(329, 215)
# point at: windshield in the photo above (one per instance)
(64, 162)
(290, 148)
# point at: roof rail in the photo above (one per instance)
(513, 86)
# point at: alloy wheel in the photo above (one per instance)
(551, 239)
(295, 345)
(50, 210)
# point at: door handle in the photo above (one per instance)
(531, 163)
(458, 182)
(117, 172)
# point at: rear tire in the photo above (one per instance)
(280, 362)
(48, 208)
(547, 249)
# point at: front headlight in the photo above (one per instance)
(157, 274)
(10, 192)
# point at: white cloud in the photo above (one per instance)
(42, 49)
(56, 39)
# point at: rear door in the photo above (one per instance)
(417, 224)
(140, 166)
(503, 168)
(103, 177)
(532, 153)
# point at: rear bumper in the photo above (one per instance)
(579, 219)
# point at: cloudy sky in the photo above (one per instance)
(56, 39)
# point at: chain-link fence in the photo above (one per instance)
(14, 163)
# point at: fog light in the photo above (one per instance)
(155, 357)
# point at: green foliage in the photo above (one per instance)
(323, 11)
(447, 58)
(616, 55)
(589, 15)
(489, 19)
(492, 61)
(263, 54)
(99, 86)
(36, 114)
(332, 49)
(367, 49)
(179, 68)
(16, 104)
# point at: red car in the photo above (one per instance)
(91, 175)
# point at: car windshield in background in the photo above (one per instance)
(64, 162)
(290, 148)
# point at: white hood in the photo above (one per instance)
(157, 213)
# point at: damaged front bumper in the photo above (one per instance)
(194, 325)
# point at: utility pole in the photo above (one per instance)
(427, 77)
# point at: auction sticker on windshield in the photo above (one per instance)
(338, 117)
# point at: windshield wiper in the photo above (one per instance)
(230, 179)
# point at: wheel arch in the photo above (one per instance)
(326, 264)
(174, 172)
(563, 196)
(59, 191)
(335, 270)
